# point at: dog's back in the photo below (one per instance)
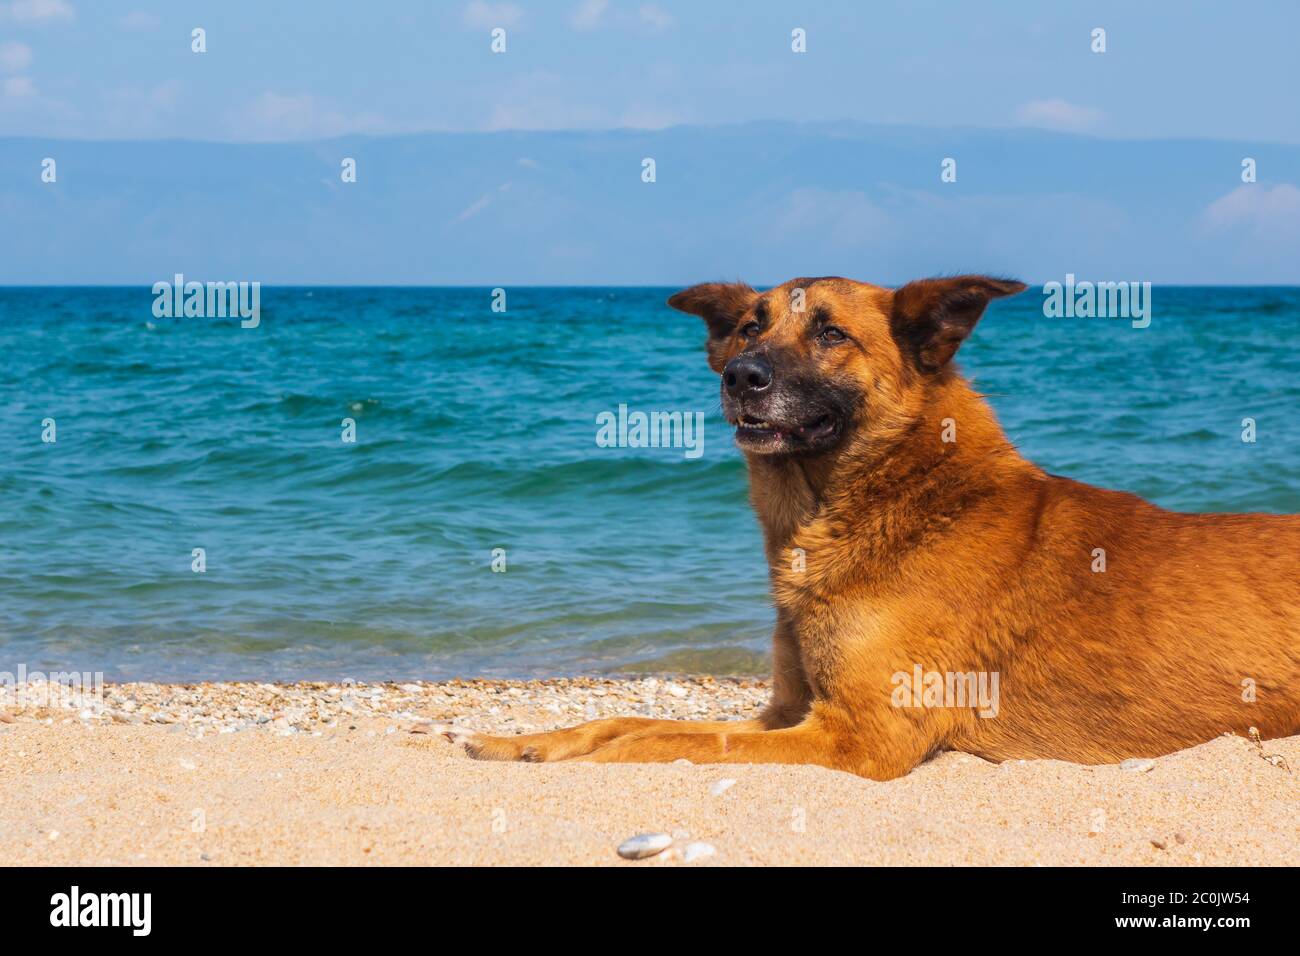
(1147, 628)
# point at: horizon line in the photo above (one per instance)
(570, 285)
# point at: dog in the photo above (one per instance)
(913, 552)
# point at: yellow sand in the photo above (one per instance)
(75, 793)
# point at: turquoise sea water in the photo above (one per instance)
(476, 431)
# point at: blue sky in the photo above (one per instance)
(300, 70)
(1122, 165)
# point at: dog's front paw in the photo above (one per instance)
(485, 747)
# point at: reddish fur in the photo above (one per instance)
(962, 557)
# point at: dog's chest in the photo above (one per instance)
(845, 603)
(838, 637)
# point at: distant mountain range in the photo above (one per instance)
(758, 201)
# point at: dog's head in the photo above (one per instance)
(815, 362)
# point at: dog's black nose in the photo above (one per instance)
(747, 373)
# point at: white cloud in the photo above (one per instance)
(141, 111)
(474, 208)
(37, 11)
(1058, 114)
(639, 118)
(19, 87)
(542, 100)
(655, 17)
(15, 57)
(1267, 213)
(588, 14)
(594, 14)
(140, 20)
(847, 217)
(294, 115)
(280, 117)
(478, 205)
(488, 16)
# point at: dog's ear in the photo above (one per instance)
(930, 318)
(720, 305)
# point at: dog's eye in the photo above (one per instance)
(831, 334)
(750, 330)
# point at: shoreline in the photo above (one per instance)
(339, 774)
(500, 706)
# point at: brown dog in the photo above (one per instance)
(934, 589)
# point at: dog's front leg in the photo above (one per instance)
(584, 738)
(791, 698)
(824, 739)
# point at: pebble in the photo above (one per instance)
(1138, 765)
(308, 706)
(698, 851)
(644, 845)
(722, 786)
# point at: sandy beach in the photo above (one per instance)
(318, 773)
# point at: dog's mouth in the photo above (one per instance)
(760, 434)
